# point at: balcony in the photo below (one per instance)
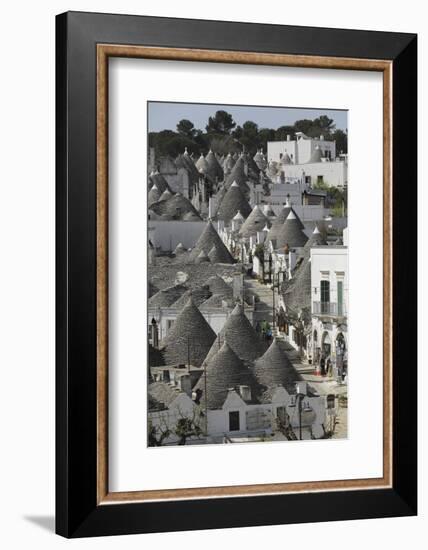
(328, 309)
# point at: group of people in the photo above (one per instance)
(264, 330)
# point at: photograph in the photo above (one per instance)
(247, 288)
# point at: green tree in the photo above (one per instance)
(186, 128)
(221, 123)
(341, 139)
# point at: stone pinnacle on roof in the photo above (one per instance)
(209, 239)
(190, 338)
(179, 249)
(224, 371)
(274, 368)
(233, 201)
(157, 179)
(240, 335)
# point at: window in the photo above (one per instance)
(234, 421)
(325, 296)
(320, 179)
(340, 298)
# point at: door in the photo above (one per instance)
(325, 296)
(234, 421)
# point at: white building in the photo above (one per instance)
(300, 150)
(329, 300)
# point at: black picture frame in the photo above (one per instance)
(77, 512)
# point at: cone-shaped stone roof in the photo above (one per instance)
(290, 233)
(218, 285)
(297, 295)
(202, 165)
(214, 168)
(198, 296)
(280, 220)
(255, 222)
(165, 195)
(240, 335)
(154, 195)
(224, 371)
(233, 201)
(167, 296)
(189, 337)
(179, 249)
(175, 208)
(228, 164)
(209, 239)
(316, 239)
(285, 159)
(274, 368)
(238, 174)
(157, 179)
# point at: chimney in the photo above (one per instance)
(302, 387)
(245, 392)
(238, 285)
(288, 137)
(321, 137)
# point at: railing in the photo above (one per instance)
(328, 308)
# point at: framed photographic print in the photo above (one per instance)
(236, 274)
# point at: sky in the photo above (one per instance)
(164, 116)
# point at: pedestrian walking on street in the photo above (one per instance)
(258, 328)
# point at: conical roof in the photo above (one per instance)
(198, 296)
(202, 165)
(297, 296)
(228, 164)
(189, 337)
(202, 257)
(167, 296)
(165, 195)
(218, 285)
(316, 239)
(154, 195)
(280, 220)
(232, 202)
(290, 233)
(209, 239)
(238, 175)
(253, 169)
(186, 161)
(316, 155)
(179, 249)
(285, 159)
(255, 222)
(274, 368)
(224, 371)
(214, 168)
(260, 159)
(240, 335)
(157, 179)
(175, 208)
